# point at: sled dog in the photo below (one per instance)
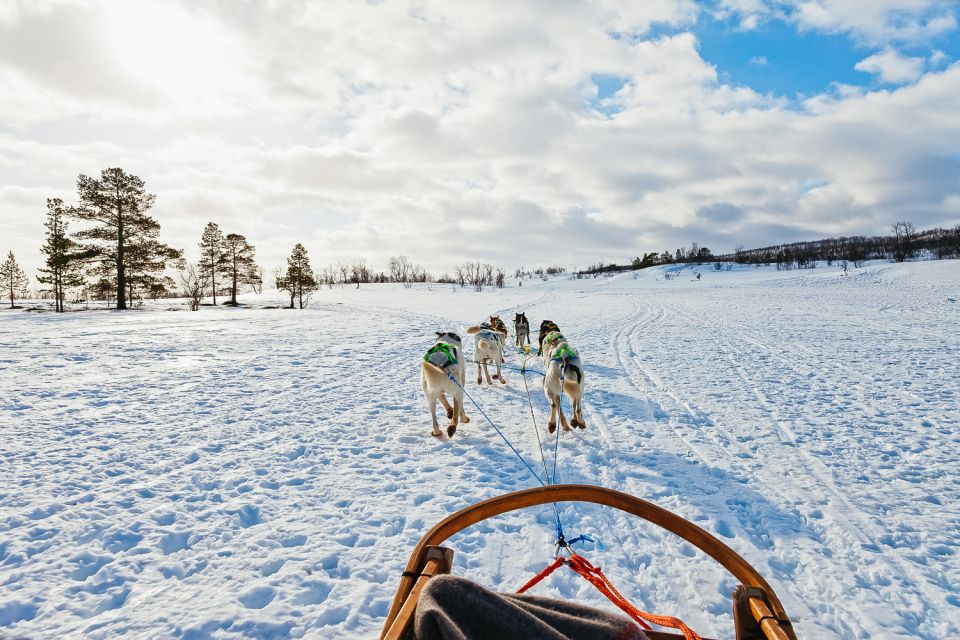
(563, 375)
(521, 328)
(500, 327)
(545, 327)
(445, 357)
(487, 348)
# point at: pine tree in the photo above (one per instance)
(13, 279)
(212, 255)
(299, 280)
(124, 240)
(238, 264)
(63, 255)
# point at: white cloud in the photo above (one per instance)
(372, 129)
(892, 67)
(873, 22)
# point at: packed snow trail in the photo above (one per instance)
(264, 473)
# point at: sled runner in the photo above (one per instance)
(757, 612)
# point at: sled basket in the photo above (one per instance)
(757, 612)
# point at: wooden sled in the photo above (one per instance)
(757, 612)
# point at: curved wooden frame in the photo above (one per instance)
(424, 561)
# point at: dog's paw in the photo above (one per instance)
(452, 429)
(436, 434)
(503, 380)
(464, 419)
(552, 427)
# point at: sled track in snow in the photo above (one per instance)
(684, 417)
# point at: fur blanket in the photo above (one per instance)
(453, 608)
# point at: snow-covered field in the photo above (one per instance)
(265, 472)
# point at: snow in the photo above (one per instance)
(264, 473)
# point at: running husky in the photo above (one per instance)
(521, 327)
(488, 347)
(443, 360)
(564, 375)
(545, 327)
(500, 327)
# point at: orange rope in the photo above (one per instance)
(596, 577)
(543, 574)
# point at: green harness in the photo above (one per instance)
(565, 352)
(444, 348)
(553, 337)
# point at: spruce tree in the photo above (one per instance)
(13, 279)
(124, 240)
(211, 255)
(63, 255)
(238, 264)
(299, 280)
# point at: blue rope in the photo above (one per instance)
(556, 444)
(512, 448)
(509, 368)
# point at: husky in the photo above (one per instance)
(521, 328)
(488, 347)
(545, 327)
(563, 375)
(443, 361)
(500, 327)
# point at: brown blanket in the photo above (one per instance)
(453, 608)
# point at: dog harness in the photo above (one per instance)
(553, 337)
(565, 352)
(489, 334)
(441, 355)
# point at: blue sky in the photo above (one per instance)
(781, 59)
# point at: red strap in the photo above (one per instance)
(543, 574)
(596, 577)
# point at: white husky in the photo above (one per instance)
(488, 347)
(445, 357)
(561, 364)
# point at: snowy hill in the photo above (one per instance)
(256, 472)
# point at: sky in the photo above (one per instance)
(520, 133)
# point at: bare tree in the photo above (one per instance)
(258, 282)
(400, 268)
(343, 270)
(904, 233)
(194, 283)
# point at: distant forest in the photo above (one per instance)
(117, 256)
(904, 243)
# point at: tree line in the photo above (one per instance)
(904, 243)
(118, 255)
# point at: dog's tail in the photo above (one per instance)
(573, 371)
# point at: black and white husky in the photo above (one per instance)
(521, 327)
(443, 361)
(563, 375)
